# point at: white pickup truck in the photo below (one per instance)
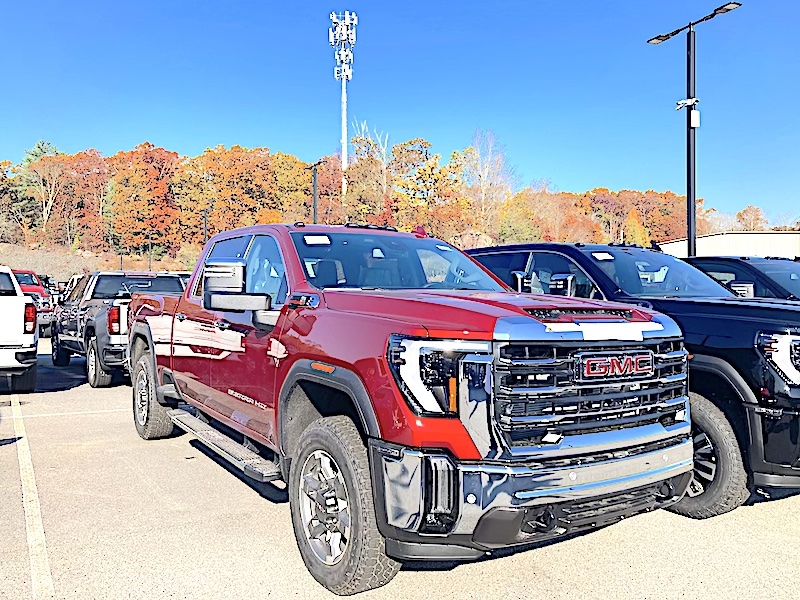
(19, 335)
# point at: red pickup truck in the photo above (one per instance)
(416, 408)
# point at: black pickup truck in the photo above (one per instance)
(745, 365)
(754, 277)
(92, 321)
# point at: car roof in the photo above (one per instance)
(356, 228)
(559, 245)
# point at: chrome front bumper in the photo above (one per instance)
(412, 485)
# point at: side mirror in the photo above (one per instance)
(265, 319)
(745, 289)
(224, 276)
(236, 302)
(562, 284)
(224, 288)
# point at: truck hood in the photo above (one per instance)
(492, 315)
(772, 311)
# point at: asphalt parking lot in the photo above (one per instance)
(89, 510)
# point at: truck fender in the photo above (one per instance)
(140, 331)
(341, 379)
(719, 367)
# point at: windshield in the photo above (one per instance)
(387, 261)
(122, 286)
(784, 273)
(26, 279)
(640, 272)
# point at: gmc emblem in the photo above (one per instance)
(609, 366)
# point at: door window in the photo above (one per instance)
(544, 265)
(503, 264)
(266, 273)
(234, 247)
(80, 287)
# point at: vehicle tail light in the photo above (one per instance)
(113, 320)
(30, 318)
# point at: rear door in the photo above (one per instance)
(196, 341)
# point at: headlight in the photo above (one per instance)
(428, 373)
(782, 351)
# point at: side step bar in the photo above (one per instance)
(251, 464)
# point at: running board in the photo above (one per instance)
(251, 464)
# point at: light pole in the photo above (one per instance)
(149, 252)
(692, 118)
(205, 225)
(342, 36)
(314, 183)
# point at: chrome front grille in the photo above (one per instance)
(541, 397)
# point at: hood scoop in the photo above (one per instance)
(570, 314)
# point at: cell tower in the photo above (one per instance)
(342, 36)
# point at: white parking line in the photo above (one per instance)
(41, 578)
(77, 412)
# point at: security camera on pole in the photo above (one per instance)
(342, 36)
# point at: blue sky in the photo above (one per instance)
(570, 88)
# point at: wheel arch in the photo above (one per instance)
(140, 339)
(718, 381)
(308, 394)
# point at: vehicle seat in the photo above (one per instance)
(326, 274)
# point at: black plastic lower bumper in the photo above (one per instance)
(113, 357)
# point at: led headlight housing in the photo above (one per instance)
(782, 351)
(427, 371)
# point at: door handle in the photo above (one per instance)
(222, 325)
(180, 317)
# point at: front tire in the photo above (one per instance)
(60, 356)
(720, 479)
(151, 419)
(333, 511)
(97, 376)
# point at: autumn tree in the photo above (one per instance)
(751, 218)
(143, 208)
(634, 230)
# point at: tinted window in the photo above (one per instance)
(230, 248)
(122, 286)
(640, 272)
(266, 273)
(727, 271)
(387, 261)
(546, 264)
(26, 279)
(6, 285)
(503, 264)
(784, 273)
(77, 291)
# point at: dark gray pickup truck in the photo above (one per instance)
(92, 321)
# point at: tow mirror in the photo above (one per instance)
(521, 281)
(562, 284)
(224, 288)
(745, 289)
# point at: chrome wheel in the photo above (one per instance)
(705, 463)
(54, 349)
(142, 392)
(324, 507)
(91, 362)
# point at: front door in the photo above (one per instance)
(197, 341)
(244, 379)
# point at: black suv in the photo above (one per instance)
(754, 277)
(745, 365)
